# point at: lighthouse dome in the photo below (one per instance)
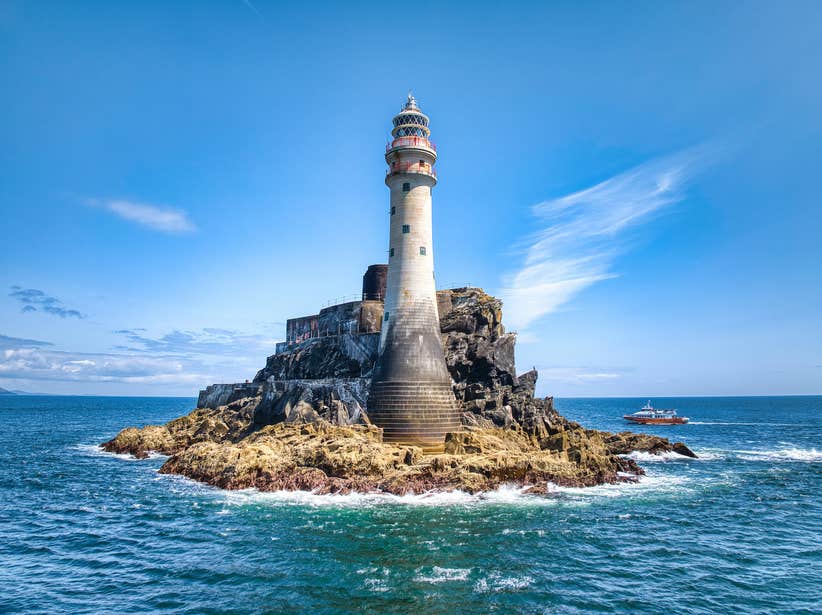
(410, 121)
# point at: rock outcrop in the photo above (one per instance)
(303, 423)
(626, 442)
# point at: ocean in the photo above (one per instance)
(738, 530)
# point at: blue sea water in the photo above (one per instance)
(738, 530)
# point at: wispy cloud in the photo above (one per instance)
(158, 218)
(582, 233)
(579, 375)
(34, 300)
(20, 342)
(252, 7)
(208, 341)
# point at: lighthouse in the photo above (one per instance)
(411, 397)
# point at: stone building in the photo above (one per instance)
(351, 317)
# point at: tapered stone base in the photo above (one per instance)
(414, 413)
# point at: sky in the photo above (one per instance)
(638, 182)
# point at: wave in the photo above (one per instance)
(790, 454)
(504, 495)
(650, 457)
(507, 494)
(443, 575)
(96, 450)
(648, 484)
(497, 582)
(701, 455)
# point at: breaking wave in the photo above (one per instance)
(650, 457)
(790, 454)
(646, 485)
(443, 575)
(506, 495)
(701, 455)
(96, 450)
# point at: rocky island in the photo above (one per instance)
(302, 423)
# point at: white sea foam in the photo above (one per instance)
(789, 454)
(649, 457)
(503, 495)
(376, 585)
(443, 575)
(701, 455)
(508, 495)
(96, 450)
(497, 582)
(649, 484)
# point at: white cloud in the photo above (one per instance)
(182, 360)
(582, 234)
(42, 364)
(163, 219)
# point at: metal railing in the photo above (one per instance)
(410, 142)
(342, 299)
(412, 167)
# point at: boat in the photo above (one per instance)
(649, 415)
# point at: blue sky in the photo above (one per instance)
(638, 182)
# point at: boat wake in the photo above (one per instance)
(742, 423)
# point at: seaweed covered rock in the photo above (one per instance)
(325, 458)
(229, 423)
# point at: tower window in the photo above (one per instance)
(386, 316)
(393, 210)
(406, 187)
(391, 252)
(406, 228)
(422, 250)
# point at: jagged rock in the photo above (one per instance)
(480, 357)
(336, 356)
(140, 442)
(339, 401)
(217, 395)
(229, 423)
(626, 442)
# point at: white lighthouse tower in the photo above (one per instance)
(411, 396)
